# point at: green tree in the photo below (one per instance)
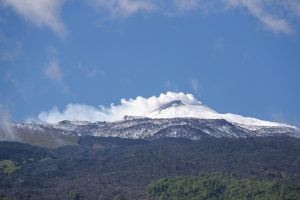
(222, 186)
(73, 195)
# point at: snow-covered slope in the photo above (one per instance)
(168, 105)
(177, 109)
(169, 115)
(146, 128)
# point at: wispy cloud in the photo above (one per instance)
(54, 73)
(277, 16)
(124, 8)
(91, 72)
(171, 86)
(6, 132)
(24, 90)
(195, 85)
(12, 53)
(273, 14)
(282, 117)
(43, 13)
(184, 5)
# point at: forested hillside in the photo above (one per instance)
(222, 186)
(108, 168)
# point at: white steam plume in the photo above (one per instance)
(132, 107)
(6, 132)
(169, 105)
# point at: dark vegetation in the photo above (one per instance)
(22, 153)
(114, 168)
(221, 186)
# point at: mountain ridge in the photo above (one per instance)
(151, 128)
(172, 115)
(166, 105)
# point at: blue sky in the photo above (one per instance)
(238, 56)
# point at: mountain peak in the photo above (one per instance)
(166, 105)
(174, 103)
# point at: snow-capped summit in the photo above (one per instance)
(165, 106)
(176, 109)
(168, 115)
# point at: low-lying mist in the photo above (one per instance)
(6, 131)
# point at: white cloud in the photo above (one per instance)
(275, 15)
(91, 72)
(53, 72)
(124, 8)
(132, 107)
(186, 5)
(43, 13)
(276, 25)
